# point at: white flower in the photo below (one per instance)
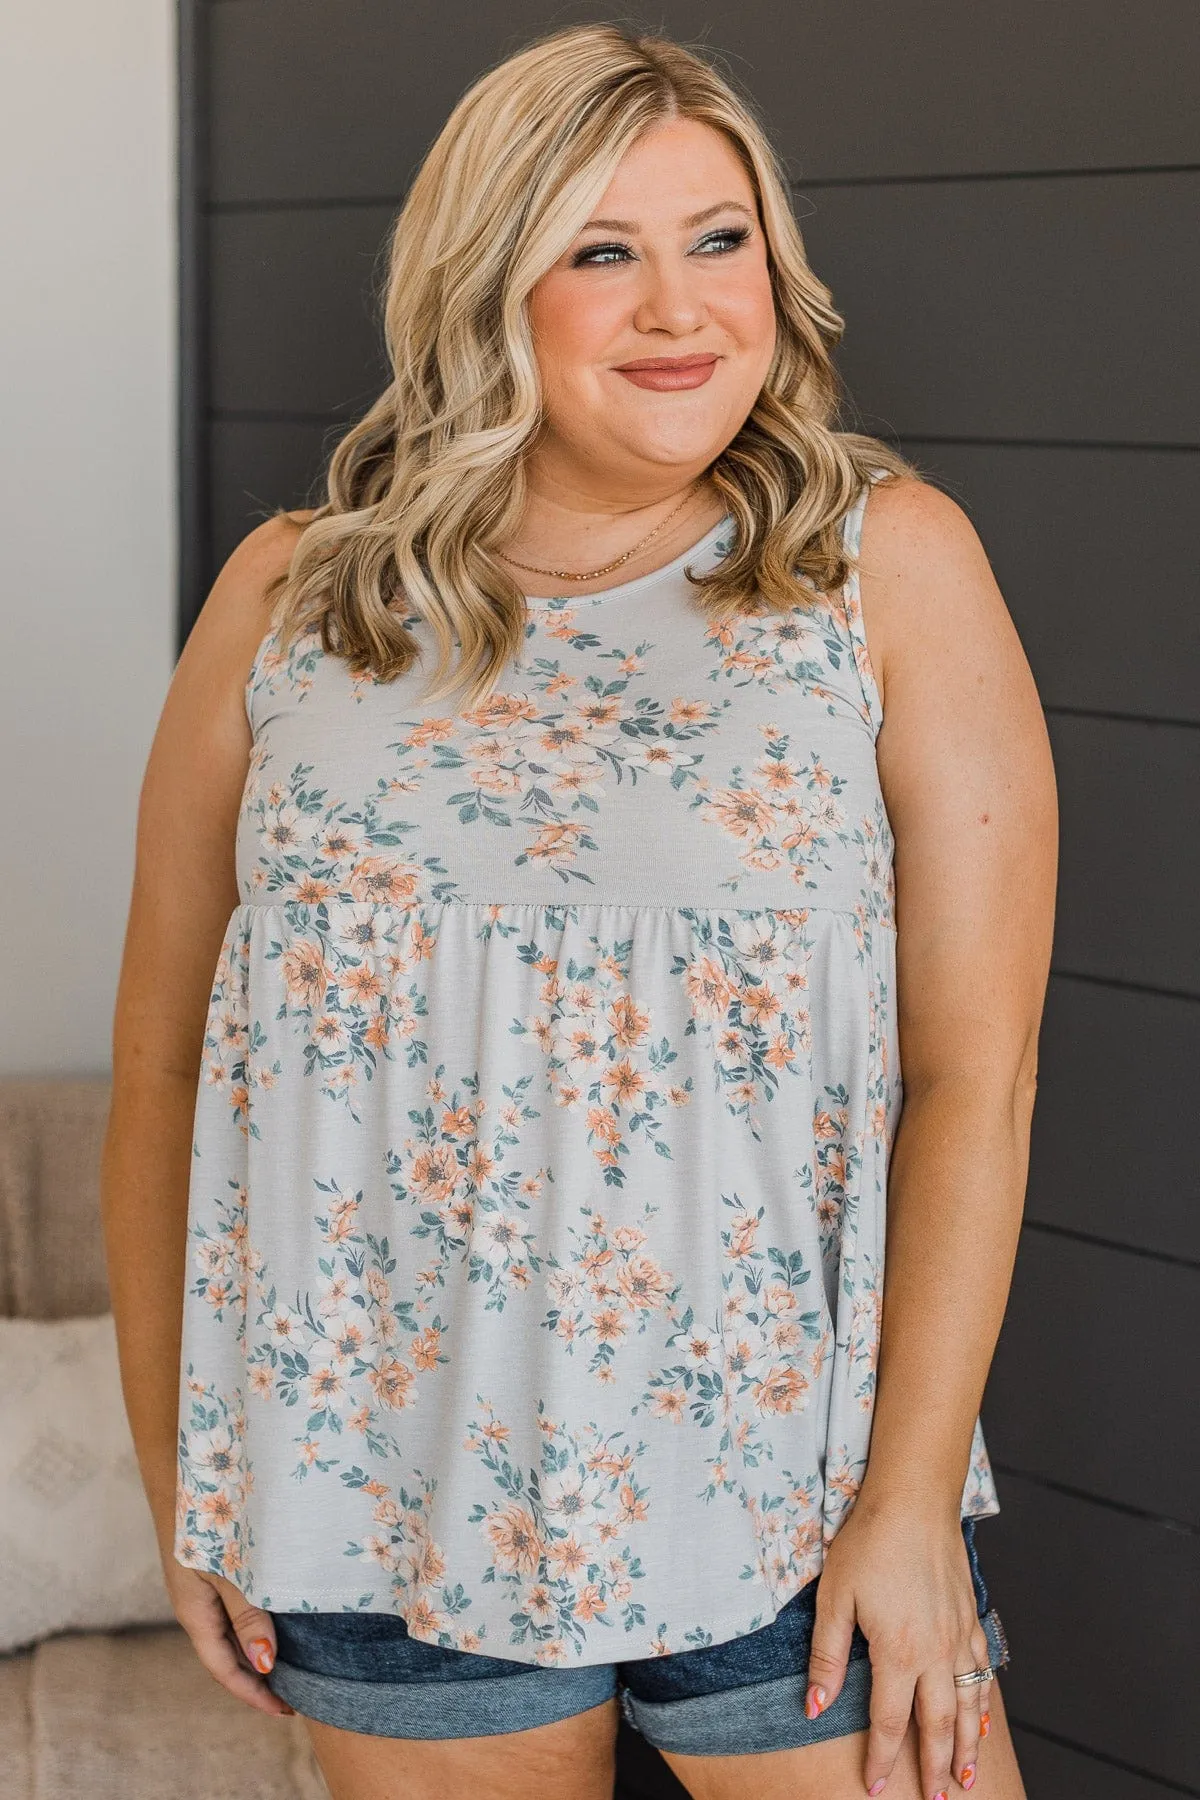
(702, 1349)
(787, 639)
(498, 1236)
(286, 1326)
(569, 1495)
(760, 947)
(565, 1286)
(216, 1453)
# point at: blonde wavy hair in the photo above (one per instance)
(421, 490)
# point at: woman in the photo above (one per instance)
(573, 871)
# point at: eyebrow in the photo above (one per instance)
(630, 225)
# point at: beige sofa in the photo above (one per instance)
(113, 1715)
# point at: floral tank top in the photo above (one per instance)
(537, 1199)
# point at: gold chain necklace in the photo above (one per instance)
(569, 575)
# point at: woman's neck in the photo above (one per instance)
(561, 538)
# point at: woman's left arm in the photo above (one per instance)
(966, 771)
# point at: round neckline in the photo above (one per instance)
(638, 581)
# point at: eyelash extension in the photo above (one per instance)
(738, 233)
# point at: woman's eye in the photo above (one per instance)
(594, 252)
(731, 236)
(721, 242)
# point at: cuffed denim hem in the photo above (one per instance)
(445, 1709)
(769, 1715)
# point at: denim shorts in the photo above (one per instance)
(362, 1672)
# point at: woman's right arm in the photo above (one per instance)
(184, 888)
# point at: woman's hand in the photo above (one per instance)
(231, 1637)
(904, 1576)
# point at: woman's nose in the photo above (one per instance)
(670, 298)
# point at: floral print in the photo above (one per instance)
(782, 813)
(537, 1210)
(746, 980)
(798, 648)
(600, 1055)
(542, 758)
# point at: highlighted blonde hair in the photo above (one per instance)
(424, 487)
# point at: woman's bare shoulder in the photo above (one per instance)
(237, 610)
(912, 532)
(923, 571)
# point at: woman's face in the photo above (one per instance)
(672, 268)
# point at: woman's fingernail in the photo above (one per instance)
(876, 1787)
(985, 1725)
(289, 1709)
(814, 1702)
(968, 1775)
(941, 1795)
(261, 1655)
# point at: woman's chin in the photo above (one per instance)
(645, 441)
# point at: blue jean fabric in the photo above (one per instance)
(362, 1672)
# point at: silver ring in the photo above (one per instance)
(974, 1675)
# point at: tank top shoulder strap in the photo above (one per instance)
(852, 605)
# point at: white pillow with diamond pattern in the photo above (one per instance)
(77, 1543)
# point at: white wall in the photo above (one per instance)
(87, 498)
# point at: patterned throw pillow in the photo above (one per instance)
(77, 1543)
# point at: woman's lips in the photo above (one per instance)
(682, 372)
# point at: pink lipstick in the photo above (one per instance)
(665, 373)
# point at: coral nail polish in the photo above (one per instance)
(261, 1655)
(815, 1702)
(968, 1775)
(985, 1725)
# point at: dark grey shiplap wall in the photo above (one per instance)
(1003, 201)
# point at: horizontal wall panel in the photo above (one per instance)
(1114, 1150)
(1102, 1612)
(293, 323)
(1054, 1772)
(373, 83)
(848, 92)
(1095, 554)
(1093, 1381)
(1016, 309)
(942, 88)
(255, 467)
(1129, 861)
(991, 347)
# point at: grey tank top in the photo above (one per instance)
(537, 1202)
